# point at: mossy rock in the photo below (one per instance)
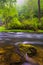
(9, 54)
(32, 52)
(29, 49)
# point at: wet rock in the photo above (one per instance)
(32, 52)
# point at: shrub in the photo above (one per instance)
(41, 25)
(30, 24)
(14, 24)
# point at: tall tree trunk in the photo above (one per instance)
(39, 10)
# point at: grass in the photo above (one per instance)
(2, 29)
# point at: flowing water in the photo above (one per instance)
(24, 38)
(13, 38)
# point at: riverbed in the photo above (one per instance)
(35, 39)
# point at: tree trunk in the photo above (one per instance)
(39, 10)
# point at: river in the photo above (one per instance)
(20, 37)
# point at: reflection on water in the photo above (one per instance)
(23, 38)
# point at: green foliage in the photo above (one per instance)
(30, 24)
(41, 24)
(14, 24)
(23, 17)
(7, 8)
(9, 12)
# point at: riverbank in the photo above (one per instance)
(2, 29)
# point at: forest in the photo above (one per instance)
(21, 15)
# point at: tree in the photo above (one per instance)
(39, 10)
(8, 10)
